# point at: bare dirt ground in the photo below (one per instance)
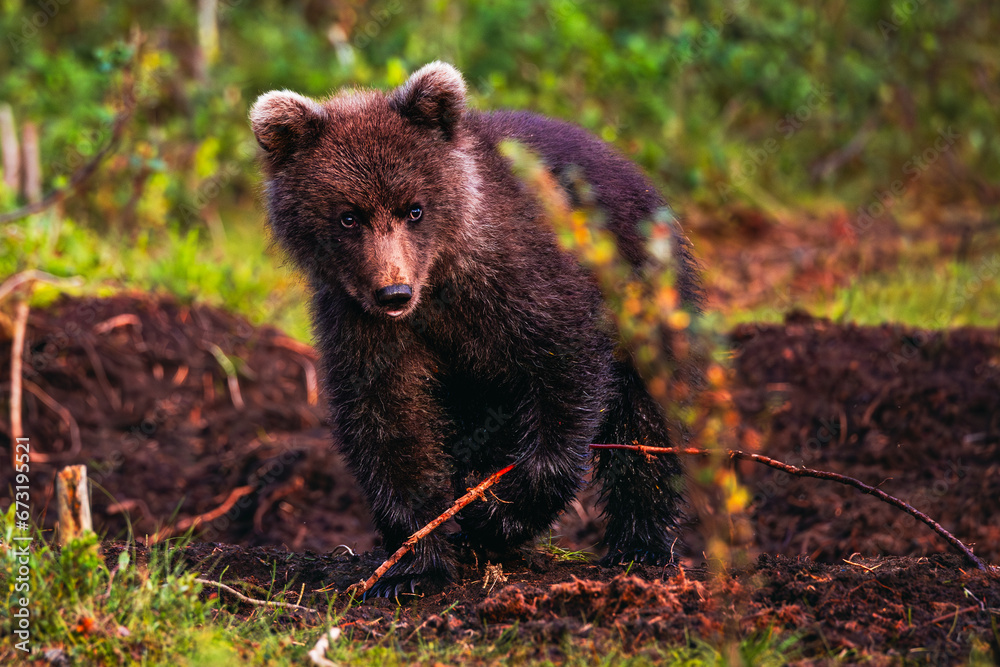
(175, 444)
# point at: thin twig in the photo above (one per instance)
(129, 504)
(212, 515)
(312, 385)
(111, 581)
(362, 587)
(834, 161)
(34, 275)
(818, 474)
(100, 374)
(307, 356)
(862, 566)
(293, 345)
(230, 370)
(318, 653)
(74, 429)
(27, 279)
(118, 321)
(16, 359)
(950, 615)
(259, 603)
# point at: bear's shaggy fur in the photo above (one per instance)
(456, 335)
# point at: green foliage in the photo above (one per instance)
(721, 100)
(961, 294)
(235, 271)
(92, 614)
(770, 103)
(157, 613)
(966, 295)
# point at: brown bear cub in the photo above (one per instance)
(456, 335)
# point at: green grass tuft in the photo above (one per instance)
(237, 271)
(952, 295)
(92, 615)
(158, 613)
(562, 554)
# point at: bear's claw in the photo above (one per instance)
(407, 585)
(637, 555)
(393, 587)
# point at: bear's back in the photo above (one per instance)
(620, 189)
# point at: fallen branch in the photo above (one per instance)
(818, 474)
(362, 587)
(259, 603)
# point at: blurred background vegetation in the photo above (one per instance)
(781, 108)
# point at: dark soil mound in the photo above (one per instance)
(174, 442)
(190, 419)
(922, 610)
(916, 413)
(169, 439)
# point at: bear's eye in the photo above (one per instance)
(349, 220)
(415, 213)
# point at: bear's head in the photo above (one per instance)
(369, 191)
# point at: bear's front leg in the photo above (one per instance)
(390, 431)
(549, 447)
(641, 495)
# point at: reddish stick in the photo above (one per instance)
(16, 361)
(818, 474)
(362, 587)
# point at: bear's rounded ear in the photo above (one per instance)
(433, 96)
(281, 118)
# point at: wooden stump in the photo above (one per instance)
(73, 501)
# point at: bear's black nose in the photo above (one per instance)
(393, 296)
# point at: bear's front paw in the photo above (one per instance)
(405, 582)
(640, 555)
(405, 587)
